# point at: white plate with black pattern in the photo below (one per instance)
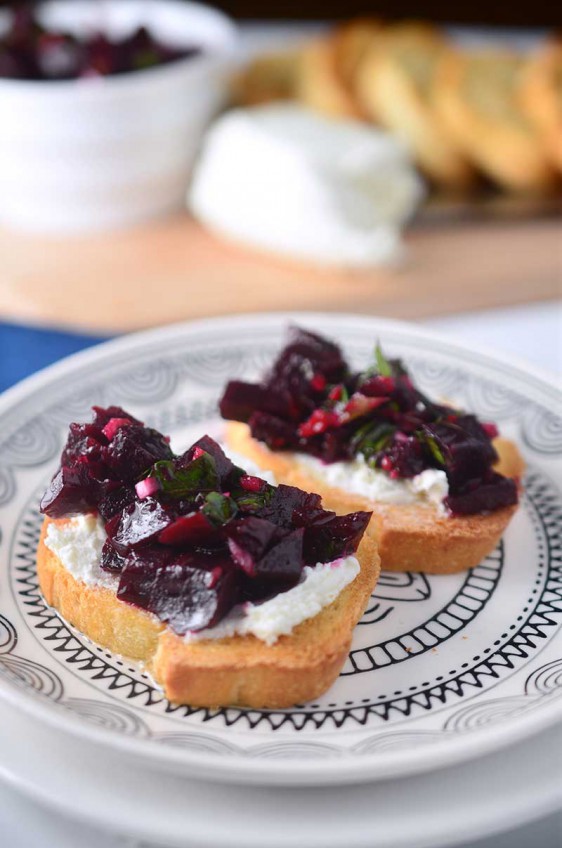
(442, 668)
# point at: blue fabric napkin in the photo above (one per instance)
(24, 350)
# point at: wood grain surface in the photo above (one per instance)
(173, 270)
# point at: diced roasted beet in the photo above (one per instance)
(274, 432)
(283, 561)
(464, 446)
(241, 399)
(111, 560)
(115, 501)
(41, 54)
(289, 506)
(493, 493)
(403, 457)
(257, 590)
(224, 466)
(133, 450)
(310, 401)
(113, 425)
(248, 540)
(103, 416)
(69, 493)
(138, 524)
(378, 386)
(192, 529)
(188, 592)
(325, 356)
(338, 537)
(84, 440)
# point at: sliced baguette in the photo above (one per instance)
(241, 670)
(540, 97)
(351, 42)
(409, 537)
(320, 85)
(393, 84)
(476, 97)
(266, 78)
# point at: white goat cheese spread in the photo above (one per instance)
(78, 543)
(355, 476)
(288, 181)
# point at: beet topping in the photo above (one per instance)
(190, 536)
(29, 51)
(312, 402)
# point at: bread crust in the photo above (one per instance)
(266, 78)
(392, 95)
(540, 96)
(237, 671)
(503, 143)
(409, 537)
(320, 85)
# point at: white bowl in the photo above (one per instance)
(84, 155)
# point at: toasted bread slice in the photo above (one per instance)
(320, 85)
(351, 42)
(394, 84)
(540, 97)
(240, 670)
(266, 78)
(409, 537)
(476, 96)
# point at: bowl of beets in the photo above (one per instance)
(103, 107)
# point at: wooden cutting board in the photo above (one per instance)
(173, 270)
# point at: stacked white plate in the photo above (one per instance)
(445, 723)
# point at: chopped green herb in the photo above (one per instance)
(434, 448)
(199, 475)
(371, 438)
(254, 501)
(219, 508)
(384, 367)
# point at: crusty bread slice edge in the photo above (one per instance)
(238, 671)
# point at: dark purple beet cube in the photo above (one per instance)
(324, 356)
(138, 524)
(240, 400)
(133, 450)
(273, 431)
(69, 493)
(84, 440)
(188, 592)
(284, 561)
(111, 560)
(289, 506)
(493, 493)
(403, 458)
(338, 537)
(248, 540)
(102, 416)
(464, 445)
(193, 529)
(115, 501)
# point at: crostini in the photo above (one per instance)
(230, 590)
(441, 486)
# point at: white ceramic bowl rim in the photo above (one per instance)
(223, 42)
